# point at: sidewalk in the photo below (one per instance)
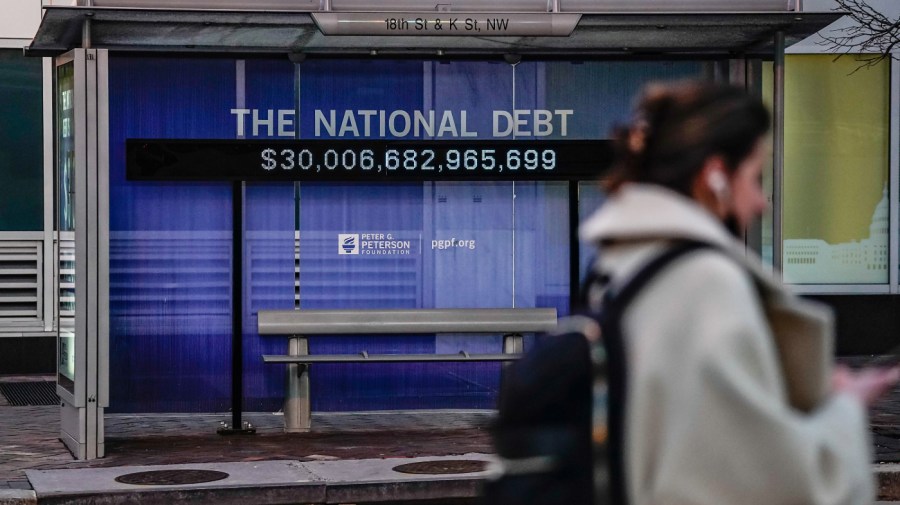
(360, 446)
(347, 481)
(28, 438)
(346, 456)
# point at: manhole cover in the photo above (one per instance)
(443, 467)
(171, 477)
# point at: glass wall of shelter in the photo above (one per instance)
(349, 244)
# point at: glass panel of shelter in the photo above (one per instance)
(411, 244)
(65, 222)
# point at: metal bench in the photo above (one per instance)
(299, 324)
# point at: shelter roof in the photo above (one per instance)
(604, 34)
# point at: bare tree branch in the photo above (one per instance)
(871, 37)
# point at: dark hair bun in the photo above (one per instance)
(676, 127)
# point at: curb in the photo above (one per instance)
(269, 495)
(887, 478)
(456, 492)
(17, 497)
(265, 483)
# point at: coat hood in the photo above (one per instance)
(651, 212)
(802, 330)
(644, 211)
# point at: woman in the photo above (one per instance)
(730, 397)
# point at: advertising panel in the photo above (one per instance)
(836, 201)
(384, 184)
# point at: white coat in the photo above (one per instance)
(728, 399)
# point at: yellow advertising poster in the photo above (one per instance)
(836, 198)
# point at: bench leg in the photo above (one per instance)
(513, 343)
(297, 415)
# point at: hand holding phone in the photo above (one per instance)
(867, 384)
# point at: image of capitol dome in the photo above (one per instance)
(814, 261)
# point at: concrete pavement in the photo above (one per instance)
(347, 456)
(339, 481)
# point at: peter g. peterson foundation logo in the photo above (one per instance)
(372, 244)
(348, 243)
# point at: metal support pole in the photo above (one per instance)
(778, 153)
(237, 320)
(722, 71)
(758, 240)
(574, 248)
(237, 355)
(86, 27)
(297, 411)
(86, 33)
(739, 74)
(894, 177)
(50, 273)
(513, 343)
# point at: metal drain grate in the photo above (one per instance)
(24, 394)
(171, 477)
(447, 466)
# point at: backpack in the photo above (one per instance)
(558, 433)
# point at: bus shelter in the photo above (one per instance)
(221, 158)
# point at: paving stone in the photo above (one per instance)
(17, 497)
(29, 437)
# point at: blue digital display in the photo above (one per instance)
(366, 160)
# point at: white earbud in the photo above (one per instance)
(718, 183)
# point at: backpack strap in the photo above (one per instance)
(615, 301)
(593, 279)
